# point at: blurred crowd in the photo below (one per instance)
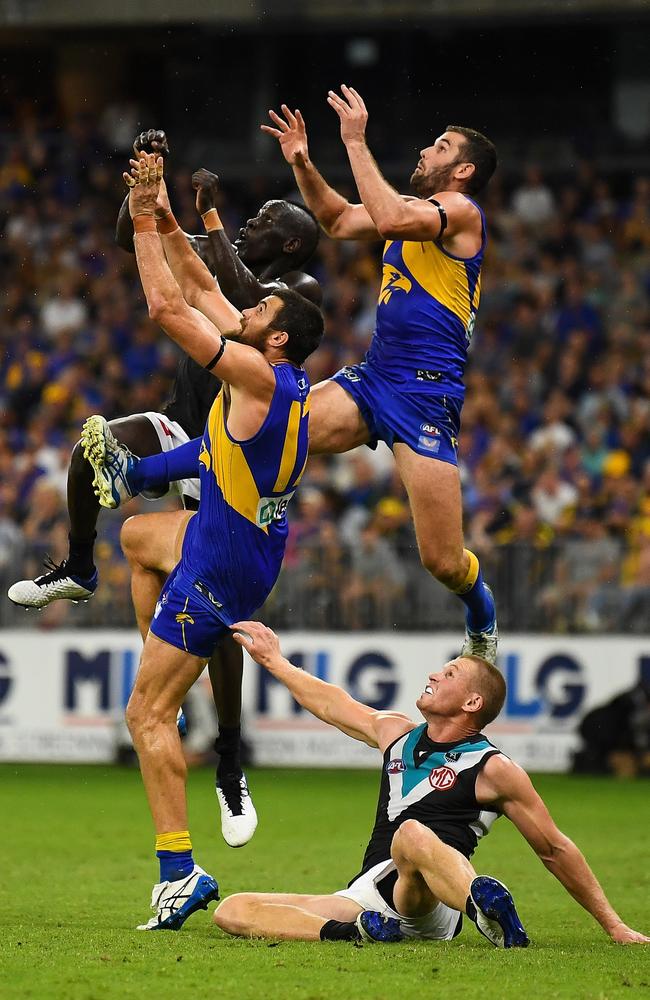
(555, 441)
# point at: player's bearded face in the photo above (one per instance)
(426, 180)
(256, 324)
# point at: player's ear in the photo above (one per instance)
(464, 171)
(291, 245)
(278, 338)
(473, 702)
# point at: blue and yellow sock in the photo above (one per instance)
(477, 598)
(174, 851)
(154, 471)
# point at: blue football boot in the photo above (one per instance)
(496, 917)
(373, 927)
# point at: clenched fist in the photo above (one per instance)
(152, 141)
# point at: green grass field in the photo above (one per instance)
(78, 868)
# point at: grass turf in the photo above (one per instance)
(78, 869)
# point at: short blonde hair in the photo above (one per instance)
(490, 684)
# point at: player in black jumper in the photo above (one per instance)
(443, 784)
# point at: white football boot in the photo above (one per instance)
(111, 462)
(238, 816)
(484, 643)
(58, 584)
(174, 902)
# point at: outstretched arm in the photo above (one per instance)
(339, 218)
(150, 141)
(398, 217)
(507, 785)
(327, 702)
(238, 283)
(195, 281)
(241, 366)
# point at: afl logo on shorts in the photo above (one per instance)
(395, 766)
(442, 779)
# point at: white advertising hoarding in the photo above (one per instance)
(62, 694)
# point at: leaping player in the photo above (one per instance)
(227, 556)
(269, 253)
(409, 390)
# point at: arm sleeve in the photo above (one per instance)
(168, 467)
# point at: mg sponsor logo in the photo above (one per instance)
(442, 779)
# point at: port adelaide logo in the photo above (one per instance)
(396, 766)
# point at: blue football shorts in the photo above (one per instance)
(429, 423)
(187, 617)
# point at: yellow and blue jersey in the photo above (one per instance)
(425, 315)
(234, 545)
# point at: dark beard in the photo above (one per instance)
(424, 185)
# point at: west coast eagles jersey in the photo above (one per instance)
(426, 313)
(234, 545)
(434, 784)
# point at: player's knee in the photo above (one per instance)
(130, 538)
(410, 840)
(445, 568)
(135, 714)
(233, 914)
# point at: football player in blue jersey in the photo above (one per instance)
(227, 556)
(269, 252)
(443, 785)
(409, 390)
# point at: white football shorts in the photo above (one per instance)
(439, 925)
(171, 434)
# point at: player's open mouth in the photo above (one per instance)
(428, 689)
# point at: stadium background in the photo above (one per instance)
(555, 444)
(556, 428)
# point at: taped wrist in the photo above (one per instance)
(166, 224)
(144, 223)
(211, 220)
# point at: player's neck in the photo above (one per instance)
(272, 269)
(443, 730)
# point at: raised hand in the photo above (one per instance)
(291, 134)
(206, 185)
(144, 182)
(352, 113)
(152, 141)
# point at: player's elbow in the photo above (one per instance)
(163, 308)
(394, 226)
(333, 228)
(336, 225)
(556, 849)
